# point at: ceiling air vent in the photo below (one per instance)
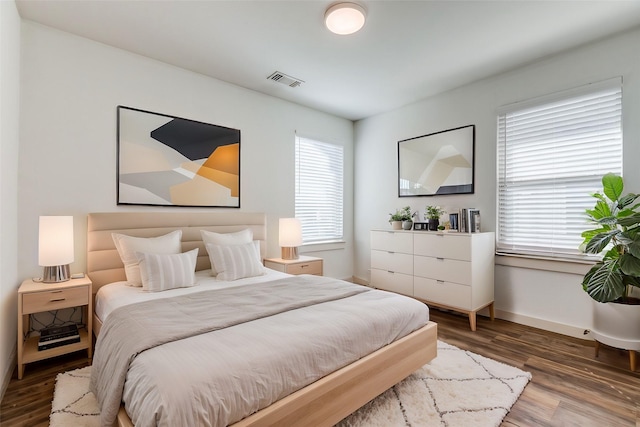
(279, 77)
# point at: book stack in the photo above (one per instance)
(469, 220)
(57, 336)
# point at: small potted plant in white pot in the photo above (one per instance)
(401, 219)
(610, 282)
(432, 213)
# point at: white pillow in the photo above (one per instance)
(161, 272)
(236, 261)
(235, 238)
(127, 247)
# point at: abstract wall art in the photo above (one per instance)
(437, 163)
(169, 161)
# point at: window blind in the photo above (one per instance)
(319, 190)
(551, 157)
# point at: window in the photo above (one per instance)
(552, 153)
(319, 190)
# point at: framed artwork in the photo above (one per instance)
(438, 163)
(169, 161)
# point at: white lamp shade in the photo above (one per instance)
(55, 242)
(290, 232)
(344, 18)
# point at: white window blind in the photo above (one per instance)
(319, 190)
(552, 154)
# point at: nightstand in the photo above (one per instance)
(36, 297)
(302, 265)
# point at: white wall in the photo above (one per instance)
(70, 89)
(546, 299)
(9, 137)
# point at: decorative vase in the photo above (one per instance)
(433, 224)
(407, 225)
(396, 225)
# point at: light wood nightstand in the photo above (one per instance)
(302, 265)
(37, 297)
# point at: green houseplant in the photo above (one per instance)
(432, 213)
(616, 313)
(617, 236)
(400, 217)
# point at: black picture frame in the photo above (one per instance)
(438, 163)
(164, 160)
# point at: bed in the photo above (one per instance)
(322, 401)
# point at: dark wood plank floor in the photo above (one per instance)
(570, 387)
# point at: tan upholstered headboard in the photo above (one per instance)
(104, 264)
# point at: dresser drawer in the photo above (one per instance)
(450, 270)
(311, 267)
(54, 299)
(444, 245)
(394, 282)
(392, 241)
(440, 292)
(392, 261)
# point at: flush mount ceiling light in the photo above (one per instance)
(344, 18)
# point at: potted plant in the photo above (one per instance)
(400, 219)
(610, 282)
(432, 213)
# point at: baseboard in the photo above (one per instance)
(8, 374)
(534, 322)
(559, 328)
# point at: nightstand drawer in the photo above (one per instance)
(311, 267)
(54, 299)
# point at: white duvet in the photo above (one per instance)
(220, 377)
(118, 294)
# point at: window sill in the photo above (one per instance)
(547, 264)
(323, 246)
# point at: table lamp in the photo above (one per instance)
(290, 237)
(55, 247)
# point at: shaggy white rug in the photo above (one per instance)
(458, 388)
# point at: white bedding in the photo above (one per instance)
(256, 363)
(118, 294)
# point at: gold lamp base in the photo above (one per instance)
(290, 253)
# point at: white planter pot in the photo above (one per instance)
(407, 225)
(396, 225)
(617, 325)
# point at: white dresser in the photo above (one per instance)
(448, 270)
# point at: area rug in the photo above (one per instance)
(458, 388)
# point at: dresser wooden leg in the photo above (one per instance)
(597, 348)
(632, 360)
(472, 320)
(492, 312)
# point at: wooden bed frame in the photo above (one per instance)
(322, 403)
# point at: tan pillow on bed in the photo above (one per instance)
(127, 247)
(236, 261)
(224, 239)
(161, 272)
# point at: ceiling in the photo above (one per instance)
(407, 50)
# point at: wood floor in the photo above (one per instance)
(569, 386)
